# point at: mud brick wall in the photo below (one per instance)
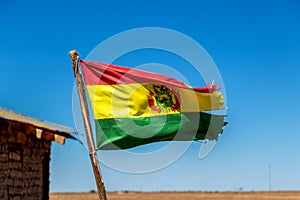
(24, 163)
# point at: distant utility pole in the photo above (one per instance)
(270, 178)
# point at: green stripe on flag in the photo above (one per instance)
(124, 133)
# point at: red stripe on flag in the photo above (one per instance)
(106, 74)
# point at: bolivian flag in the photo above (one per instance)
(133, 107)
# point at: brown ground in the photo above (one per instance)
(181, 195)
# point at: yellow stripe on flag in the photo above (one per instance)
(145, 100)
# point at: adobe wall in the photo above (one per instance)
(24, 163)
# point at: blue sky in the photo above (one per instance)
(255, 45)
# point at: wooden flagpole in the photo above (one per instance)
(87, 125)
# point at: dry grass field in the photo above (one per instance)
(180, 196)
